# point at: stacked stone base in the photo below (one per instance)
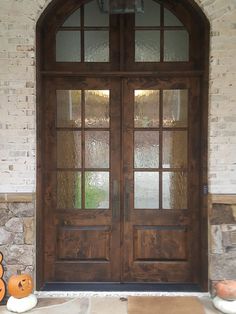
(17, 237)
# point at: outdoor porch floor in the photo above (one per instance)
(93, 305)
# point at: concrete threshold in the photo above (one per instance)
(123, 294)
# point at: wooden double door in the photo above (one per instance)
(121, 180)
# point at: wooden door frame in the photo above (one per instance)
(202, 73)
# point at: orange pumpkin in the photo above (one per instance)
(2, 283)
(226, 289)
(20, 286)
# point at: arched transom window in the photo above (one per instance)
(82, 37)
(158, 35)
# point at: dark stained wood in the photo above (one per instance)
(98, 230)
(184, 246)
(119, 224)
(79, 243)
(158, 243)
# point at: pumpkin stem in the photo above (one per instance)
(18, 272)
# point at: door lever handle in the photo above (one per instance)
(127, 200)
(115, 199)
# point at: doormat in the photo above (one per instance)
(161, 305)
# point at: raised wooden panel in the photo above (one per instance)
(160, 243)
(83, 243)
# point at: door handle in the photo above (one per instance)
(127, 200)
(115, 199)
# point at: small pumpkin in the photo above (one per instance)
(226, 289)
(20, 286)
(2, 283)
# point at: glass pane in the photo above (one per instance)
(97, 149)
(146, 108)
(146, 190)
(96, 189)
(97, 108)
(96, 45)
(170, 19)
(174, 190)
(73, 20)
(151, 15)
(68, 189)
(68, 149)
(176, 46)
(146, 149)
(147, 46)
(93, 16)
(68, 108)
(68, 46)
(175, 147)
(175, 108)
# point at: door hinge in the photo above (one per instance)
(205, 189)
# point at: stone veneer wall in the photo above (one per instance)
(17, 237)
(18, 20)
(222, 249)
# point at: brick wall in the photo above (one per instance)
(17, 94)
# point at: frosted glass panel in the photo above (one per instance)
(170, 19)
(96, 44)
(96, 189)
(68, 189)
(151, 15)
(97, 108)
(68, 46)
(73, 20)
(146, 108)
(147, 46)
(175, 147)
(146, 190)
(68, 108)
(176, 46)
(146, 149)
(97, 149)
(174, 190)
(175, 108)
(68, 149)
(93, 16)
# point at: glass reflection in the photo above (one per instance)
(68, 46)
(175, 147)
(68, 149)
(68, 108)
(96, 189)
(175, 108)
(176, 45)
(97, 108)
(151, 15)
(174, 190)
(147, 46)
(146, 190)
(170, 19)
(146, 108)
(96, 46)
(146, 149)
(93, 16)
(97, 149)
(73, 20)
(68, 189)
